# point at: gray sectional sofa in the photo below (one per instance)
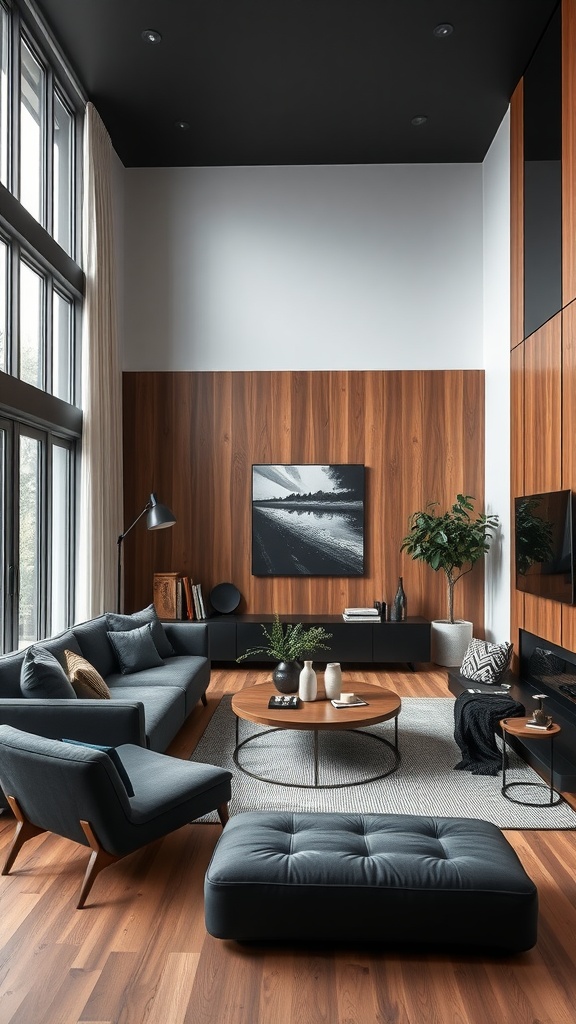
(146, 706)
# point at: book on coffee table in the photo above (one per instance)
(349, 703)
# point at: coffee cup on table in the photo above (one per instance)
(347, 698)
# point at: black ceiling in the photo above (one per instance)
(298, 81)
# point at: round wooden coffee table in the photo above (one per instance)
(251, 704)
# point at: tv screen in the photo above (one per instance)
(544, 545)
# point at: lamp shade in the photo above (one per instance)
(159, 516)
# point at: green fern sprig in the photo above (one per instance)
(290, 642)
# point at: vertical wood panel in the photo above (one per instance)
(194, 437)
(517, 216)
(543, 367)
(568, 151)
(542, 441)
(517, 483)
(542, 408)
(569, 441)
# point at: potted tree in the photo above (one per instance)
(452, 542)
(287, 645)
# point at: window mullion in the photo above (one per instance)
(14, 168)
(49, 152)
(14, 309)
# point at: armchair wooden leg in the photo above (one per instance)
(223, 813)
(99, 859)
(25, 830)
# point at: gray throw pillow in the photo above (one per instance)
(135, 649)
(486, 662)
(42, 676)
(116, 623)
(114, 757)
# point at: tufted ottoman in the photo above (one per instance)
(390, 878)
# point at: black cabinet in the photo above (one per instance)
(222, 633)
(409, 641)
(402, 641)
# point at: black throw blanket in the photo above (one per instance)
(476, 718)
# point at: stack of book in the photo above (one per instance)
(361, 615)
(177, 597)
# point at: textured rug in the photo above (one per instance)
(425, 782)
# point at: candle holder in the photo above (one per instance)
(539, 716)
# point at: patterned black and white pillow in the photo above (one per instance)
(486, 662)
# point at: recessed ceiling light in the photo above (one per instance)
(420, 119)
(183, 126)
(150, 35)
(443, 30)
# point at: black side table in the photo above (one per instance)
(518, 727)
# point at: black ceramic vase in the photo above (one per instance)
(286, 676)
(398, 610)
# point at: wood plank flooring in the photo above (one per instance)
(139, 953)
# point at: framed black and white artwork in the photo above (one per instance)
(308, 520)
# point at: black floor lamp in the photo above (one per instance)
(158, 518)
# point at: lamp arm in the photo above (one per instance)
(146, 508)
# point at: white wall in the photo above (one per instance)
(346, 267)
(496, 207)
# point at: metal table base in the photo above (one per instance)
(317, 784)
(507, 786)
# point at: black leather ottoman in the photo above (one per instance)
(387, 878)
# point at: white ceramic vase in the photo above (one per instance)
(449, 641)
(333, 680)
(308, 685)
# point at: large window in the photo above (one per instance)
(41, 290)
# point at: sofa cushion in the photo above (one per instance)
(114, 757)
(43, 676)
(86, 680)
(189, 673)
(10, 671)
(164, 711)
(60, 643)
(122, 623)
(135, 649)
(486, 662)
(95, 645)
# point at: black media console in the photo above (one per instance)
(408, 641)
(544, 668)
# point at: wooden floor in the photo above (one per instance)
(139, 953)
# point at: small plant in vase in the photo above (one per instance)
(288, 644)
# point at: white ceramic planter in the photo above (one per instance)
(449, 641)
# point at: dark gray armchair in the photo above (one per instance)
(114, 808)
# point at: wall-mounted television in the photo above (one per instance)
(544, 525)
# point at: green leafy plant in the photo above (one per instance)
(451, 541)
(290, 642)
(533, 536)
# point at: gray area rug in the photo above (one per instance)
(425, 782)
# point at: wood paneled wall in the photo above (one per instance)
(543, 366)
(193, 437)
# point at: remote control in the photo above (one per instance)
(566, 688)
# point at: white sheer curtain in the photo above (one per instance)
(101, 476)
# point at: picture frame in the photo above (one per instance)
(308, 519)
